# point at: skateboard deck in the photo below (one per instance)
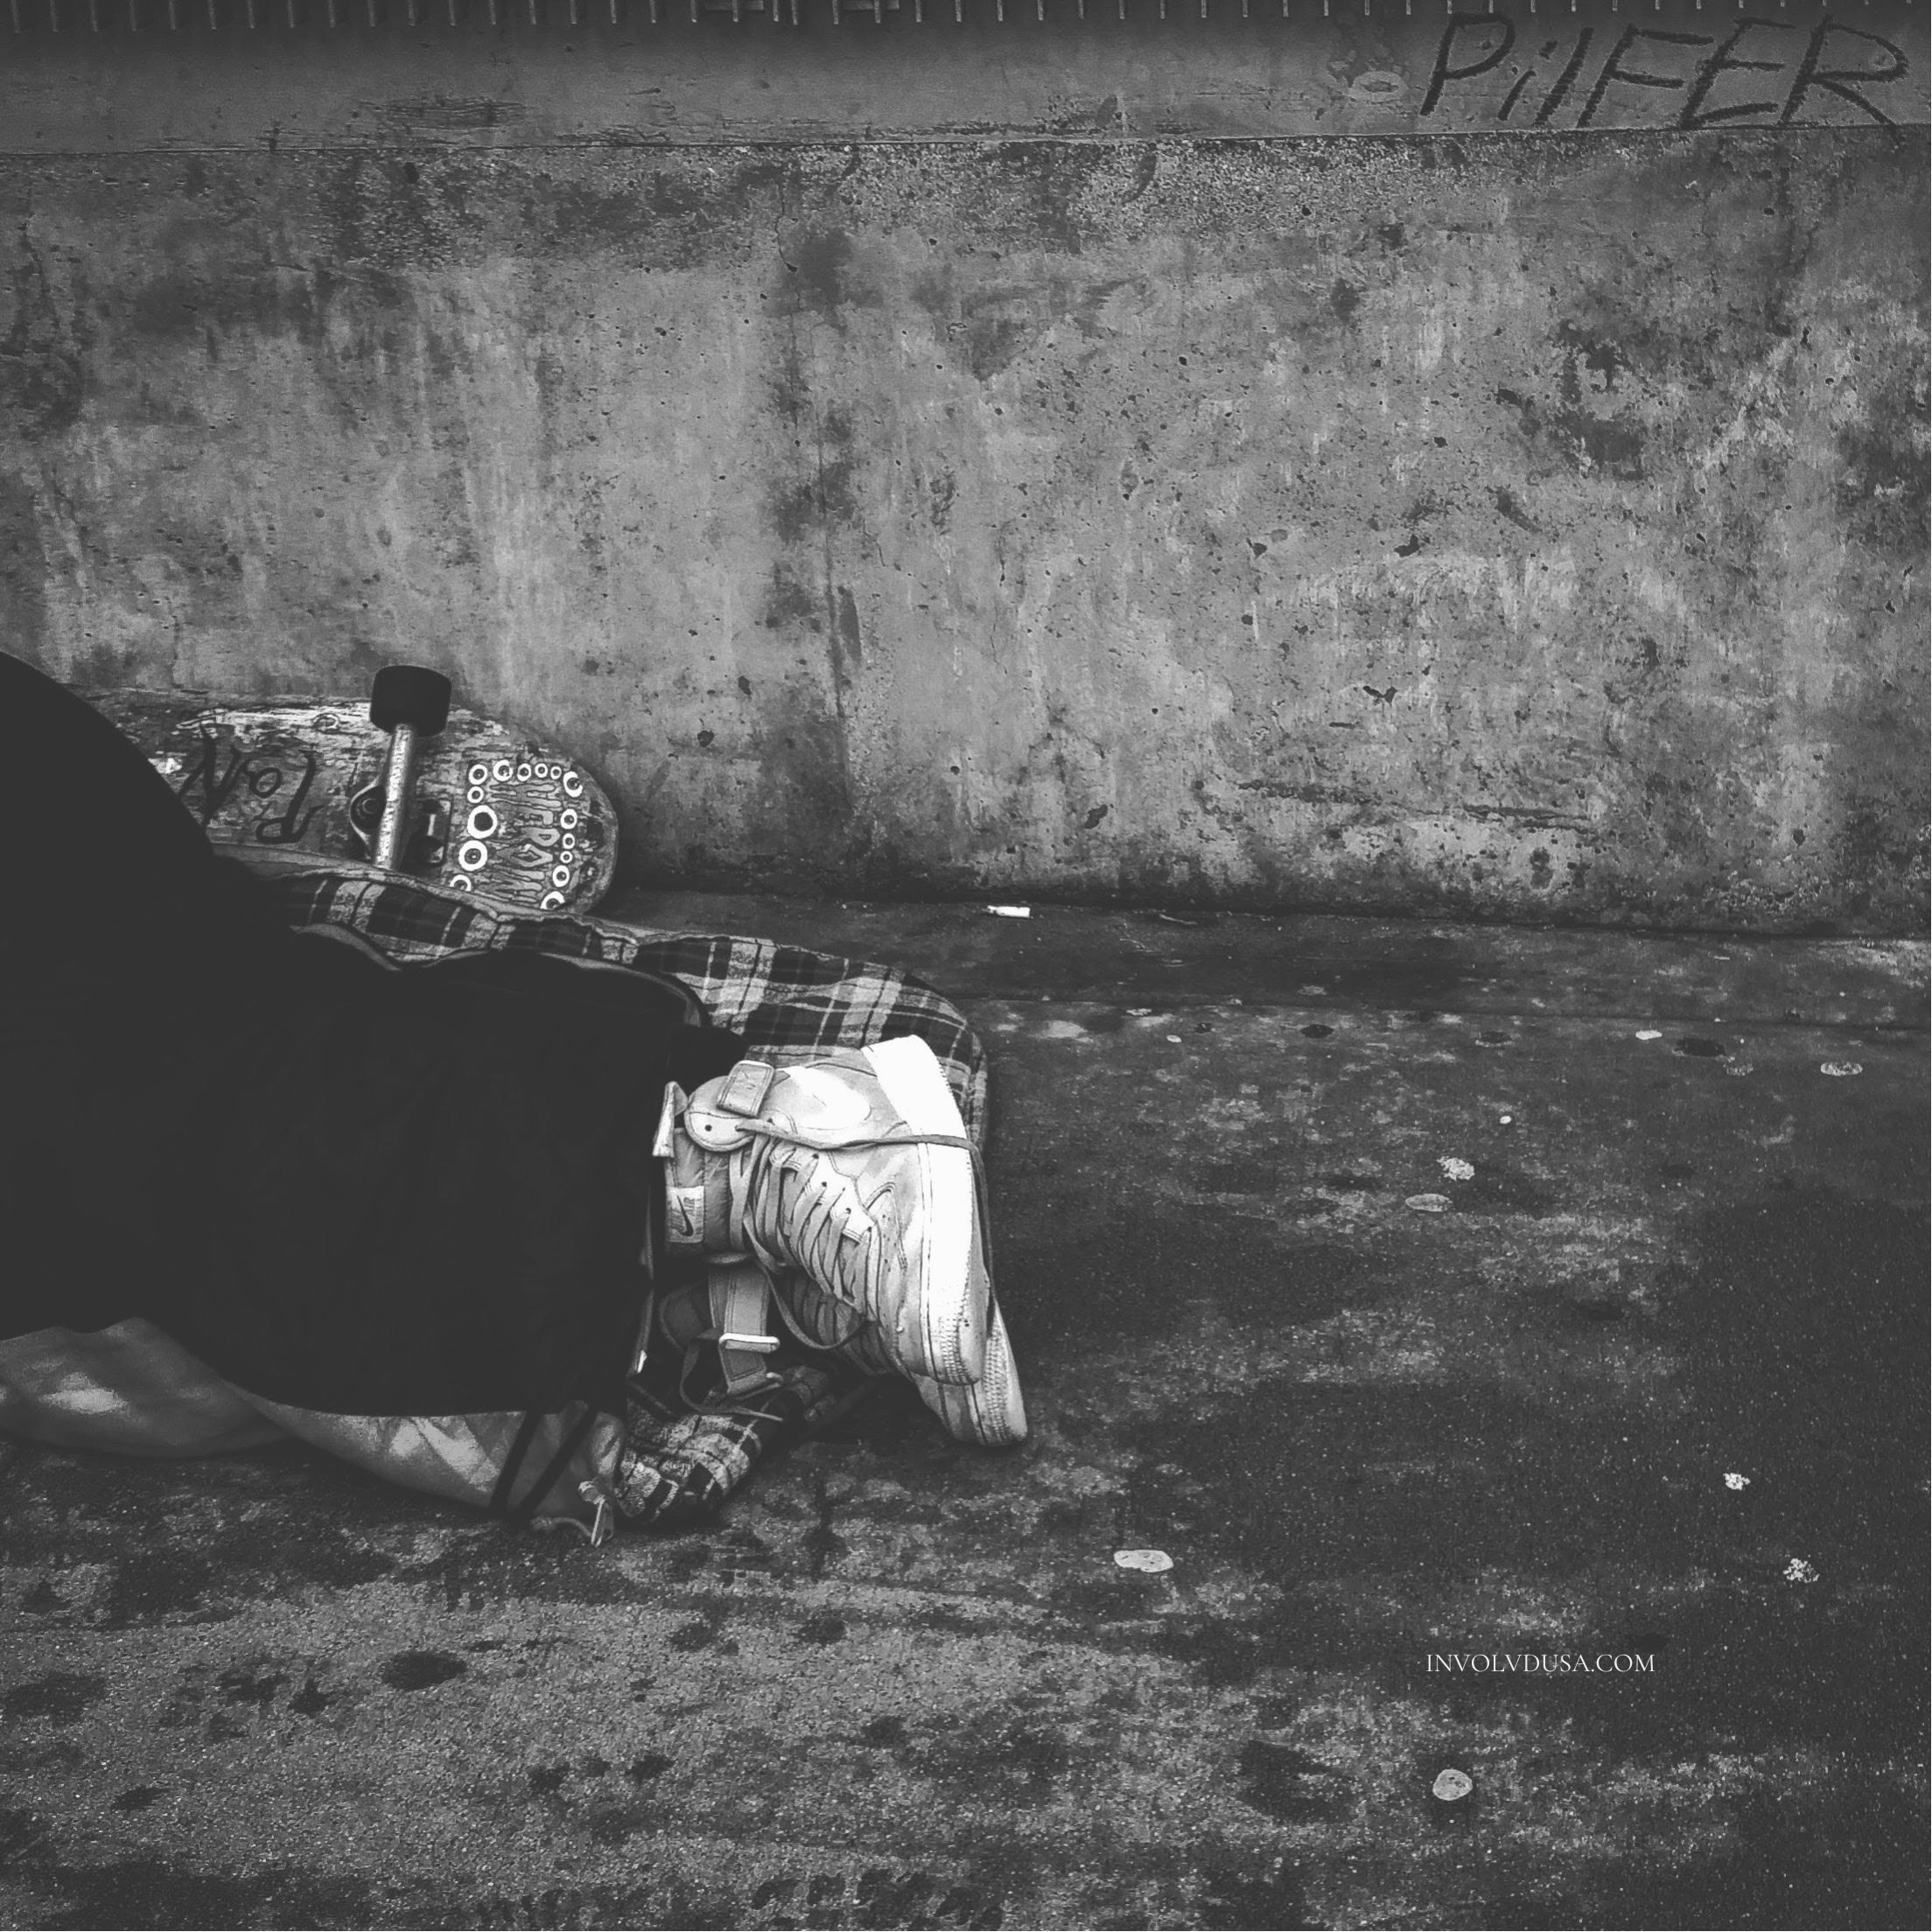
(288, 787)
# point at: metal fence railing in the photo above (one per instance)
(223, 16)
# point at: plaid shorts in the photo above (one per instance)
(785, 1000)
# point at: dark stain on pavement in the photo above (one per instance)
(885, 1898)
(1498, 1190)
(1121, 1596)
(1236, 1896)
(1001, 1758)
(145, 1892)
(310, 1701)
(161, 1586)
(24, 1837)
(1290, 1785)
(1124, 1263)
(1805, 1320)
(1853, 1854)
(1302, 1481)
(60, 1696)
(154, 1575)
(243, 1686)
(1426, 976)
(420, 1669)
(1304, 1283)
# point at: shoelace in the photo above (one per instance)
(809, 1216)
(829, 1313)
(765, 1132)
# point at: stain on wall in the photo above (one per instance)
(1526, 529)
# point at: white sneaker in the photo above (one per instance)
(990, 1412)
(854, 1169)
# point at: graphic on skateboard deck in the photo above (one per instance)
(288, 787)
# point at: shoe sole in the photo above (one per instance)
(952, 1299)
(990, 1413)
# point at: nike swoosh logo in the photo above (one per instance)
(687, 1226)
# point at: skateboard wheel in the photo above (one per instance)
(522, 774)
(567, 818)
(483, 823)
(478, 772)
(407, 694)
(560, 876)
(473, 855)
(569, 841)
(573, 785)
(461, 882)
(476, 795)
(503, 771)
(550, 902)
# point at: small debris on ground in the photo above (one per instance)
(1733, 1480)
(1456, 1169)
(1840, 1070)
(1428, 1204)
(1740, 1066)
(1154, 1562)
(1798, 1570)
(1505, 1120)
(1139, 1013)
(1173, 1040)
(1452, 1785)
(1649, 1032)
(1010, 912)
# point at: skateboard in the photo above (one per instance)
(401, 781)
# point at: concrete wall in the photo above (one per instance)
(1529, 527)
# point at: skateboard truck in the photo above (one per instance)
(410, 703)
(429, 841)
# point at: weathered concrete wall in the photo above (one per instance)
(1530, 527)
(604, 72)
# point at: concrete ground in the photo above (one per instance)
(1652, 1385)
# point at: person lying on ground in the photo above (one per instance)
(451, 1188)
